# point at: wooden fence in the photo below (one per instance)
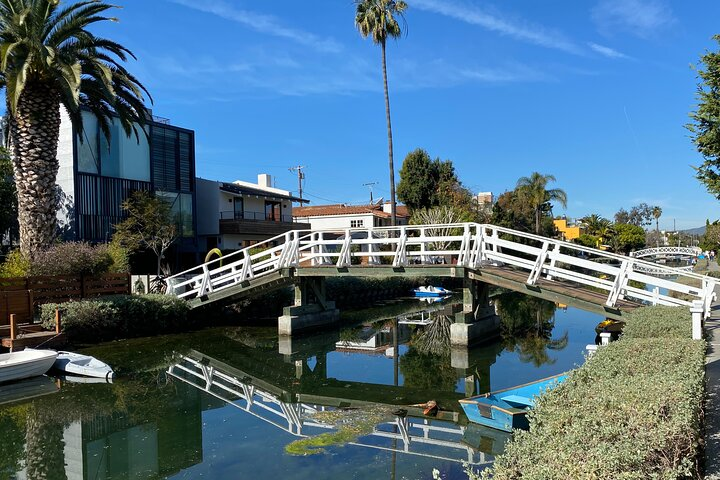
(21, 296)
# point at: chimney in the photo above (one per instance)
(265, 180)
(387, 207)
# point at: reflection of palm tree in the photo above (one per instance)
(534, 349)
(434, 339)
(527, 324)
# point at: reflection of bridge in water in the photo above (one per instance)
(293, 412)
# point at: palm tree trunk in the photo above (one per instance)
(34, 134)
(393, 209)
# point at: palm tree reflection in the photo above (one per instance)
(527, 327)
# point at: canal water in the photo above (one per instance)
(234, 402)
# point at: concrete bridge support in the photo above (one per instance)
(477, 321)
(311, 308)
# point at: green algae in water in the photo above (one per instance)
(351, 424)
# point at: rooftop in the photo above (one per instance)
(341, 209)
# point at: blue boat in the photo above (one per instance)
(506, 409)
(431, 291)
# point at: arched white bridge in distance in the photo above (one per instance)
(665, 251)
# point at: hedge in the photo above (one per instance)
(120, 316)
(632, 411)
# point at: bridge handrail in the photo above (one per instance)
(465, 244)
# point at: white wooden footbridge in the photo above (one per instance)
(592, 279)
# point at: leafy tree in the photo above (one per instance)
(8, 199)
(419, 178)
(640, 215)
(378, 19)
(711, 239)
(586, 240)
(627, 238)
(511, 212)
(48, 58)
(705, 121)
(533, 189)
(150, 225)
(594, 223)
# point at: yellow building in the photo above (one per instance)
(567, 232)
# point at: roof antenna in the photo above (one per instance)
(370, 186)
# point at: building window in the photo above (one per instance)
(238, 208)
(356, 223)
(272, 211)
(172, 160)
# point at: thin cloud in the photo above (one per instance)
(639, 17)
(606, 51)
(262, 23)
(496, 23)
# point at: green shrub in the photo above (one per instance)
(120, 316)
(658, 322)
(120, 257)
(15, 265)
(72, 258)
(713, 274)
(632, 411)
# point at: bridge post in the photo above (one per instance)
(311, 308)
(477, 321)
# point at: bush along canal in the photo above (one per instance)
(236, 402)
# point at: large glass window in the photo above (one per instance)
(172, 159)
(272, 211)
(182, 210)
(123, 156)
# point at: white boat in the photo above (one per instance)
(25, 364)
(84, 365)
(431, 291)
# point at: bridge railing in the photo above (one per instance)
(468, 245)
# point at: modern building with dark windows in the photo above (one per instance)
(97, 175)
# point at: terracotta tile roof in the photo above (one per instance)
(339, 209)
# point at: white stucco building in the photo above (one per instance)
(338, 217)
(239, 214)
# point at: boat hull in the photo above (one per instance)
(25, 364)
(82, 365)
(506, 410)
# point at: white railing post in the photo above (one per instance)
(400, 254)
(553, 259)
(205, 284)
(464, 254)
(697, 318)
(537, 269)
(372, 248)
(344, 258)
(423, 246)
(620, 282)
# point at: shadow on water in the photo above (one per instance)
(222, 399)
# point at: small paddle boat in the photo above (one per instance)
(430, 291)
(25, 364)
(83, 365)
(506, 409)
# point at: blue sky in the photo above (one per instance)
(593, 92)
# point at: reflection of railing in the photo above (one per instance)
(255, 216)
(295, 417)
(467, 245)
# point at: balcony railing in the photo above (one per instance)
(257, 216)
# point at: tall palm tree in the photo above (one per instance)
(656, 212)
(48, 58)
(378, 19)
(533, 189)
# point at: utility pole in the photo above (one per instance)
(301, 177)
(370, 186)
